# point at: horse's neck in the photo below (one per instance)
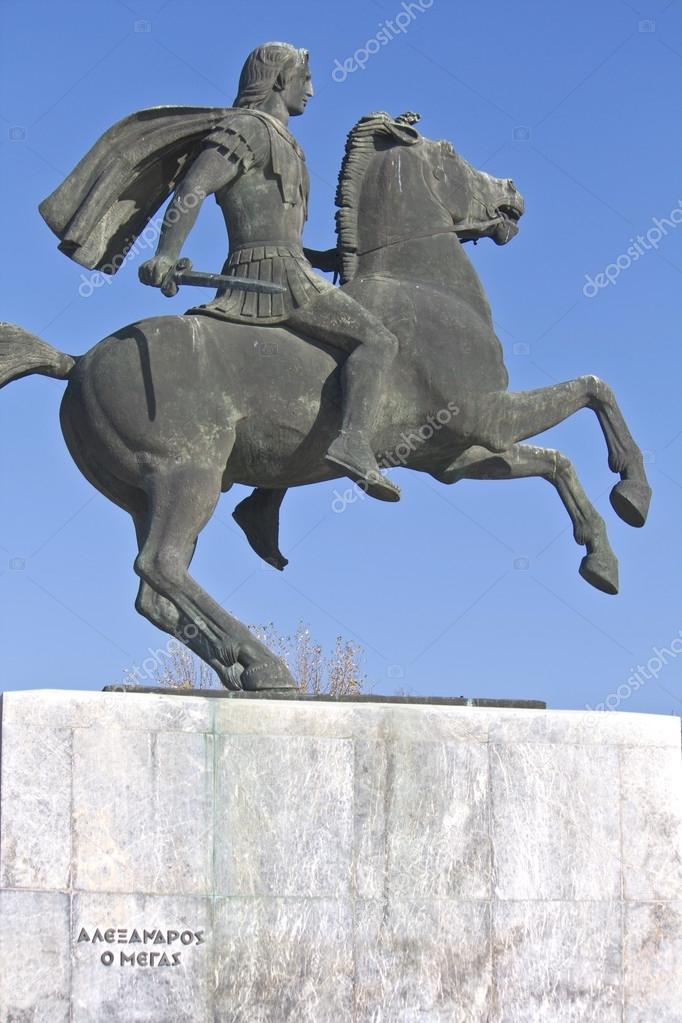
(406, 233)
(438, 261)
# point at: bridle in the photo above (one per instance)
(465, 227)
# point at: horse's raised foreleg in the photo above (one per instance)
(181, 499)
(258, 516)
(502, 418)
(599, 566)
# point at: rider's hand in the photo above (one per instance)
(154, 270)
(326, 260)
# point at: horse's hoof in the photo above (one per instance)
(601, 571)
(231, 677)
(630, 500)
(277, 561)
(267, 675)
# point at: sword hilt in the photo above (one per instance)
(169, 285)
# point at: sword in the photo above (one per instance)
(182, 273)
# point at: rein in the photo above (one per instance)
(463, 228)
(408, 238)
(457, 229)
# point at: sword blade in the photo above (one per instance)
(207, 280)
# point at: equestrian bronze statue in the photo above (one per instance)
(168, 412)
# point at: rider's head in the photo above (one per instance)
(275, 67)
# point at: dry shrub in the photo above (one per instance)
(337, 673)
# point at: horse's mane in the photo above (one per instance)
(361, 145)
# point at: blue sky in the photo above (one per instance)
(470, 589)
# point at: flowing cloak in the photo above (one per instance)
(111, 195)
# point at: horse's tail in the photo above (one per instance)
(22, 353)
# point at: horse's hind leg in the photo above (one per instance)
(600, 565)
(509, 417)
(163, 613)
(258, 516)
(181, 499)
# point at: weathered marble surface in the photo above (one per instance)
(340, 863)
(35, 957)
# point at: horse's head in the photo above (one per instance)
(481, 206)
(397, 186)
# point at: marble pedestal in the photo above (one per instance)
(169, 859)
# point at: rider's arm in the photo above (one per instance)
(209, 172)
(229, 151)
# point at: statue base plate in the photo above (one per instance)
(294, 694)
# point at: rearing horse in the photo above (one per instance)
(166, 413)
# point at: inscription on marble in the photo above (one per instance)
(141, 936)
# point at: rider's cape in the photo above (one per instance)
(110, 196)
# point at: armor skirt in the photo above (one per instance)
(278, 264)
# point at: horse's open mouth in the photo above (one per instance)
(506, 226)
(510, 212)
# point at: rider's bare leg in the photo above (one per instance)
(339, 320)
(599, 566)
(258, 516)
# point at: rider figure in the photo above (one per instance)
(256, 170)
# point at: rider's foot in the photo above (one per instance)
(355, 457)
(258, 516)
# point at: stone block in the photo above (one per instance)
(422, 819)
(62, 708)
(287, 831)
(283, 959)
(142, 811)
(119, 980)
(557, 962)
(555, 821)
(422, 961)
(652, 823)
(652, 961)
(583, 728)
(35, 957)
(35, 822)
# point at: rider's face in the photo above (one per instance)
(297, 89)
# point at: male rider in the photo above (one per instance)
(256, 170)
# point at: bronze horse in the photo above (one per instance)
(165, 414)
